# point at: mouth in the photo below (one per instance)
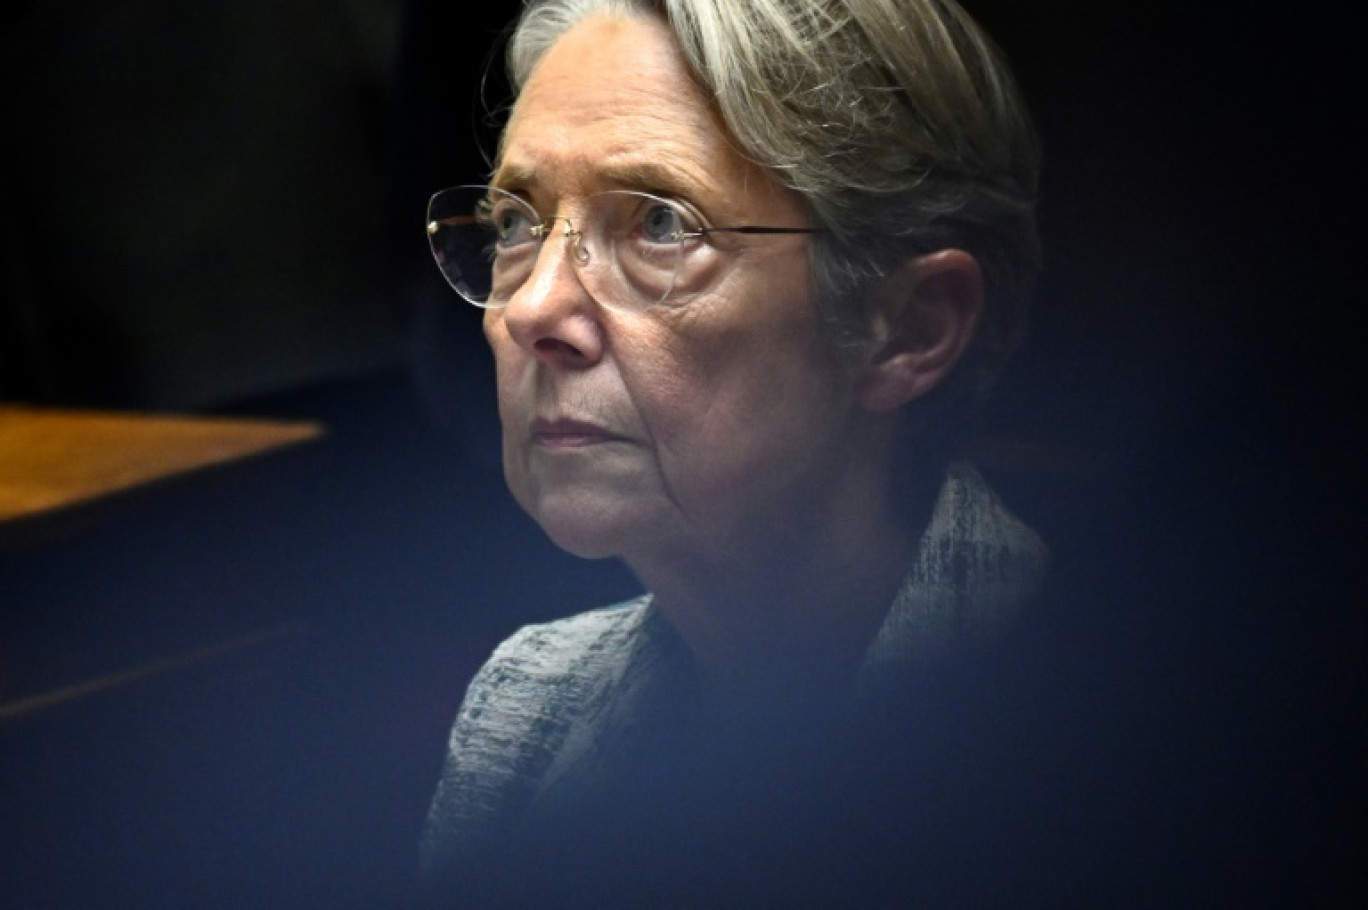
(569, 434)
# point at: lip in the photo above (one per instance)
(565, 433)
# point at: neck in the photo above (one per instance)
(792, 608)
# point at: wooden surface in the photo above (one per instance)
(52, 459)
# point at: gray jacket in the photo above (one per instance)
(554, 696)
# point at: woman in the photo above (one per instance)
(748, 268)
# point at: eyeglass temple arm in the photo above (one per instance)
(453, 221)
(755, 229)
(466, 220)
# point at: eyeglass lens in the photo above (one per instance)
(629, 246)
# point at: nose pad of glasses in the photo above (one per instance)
(577, 247)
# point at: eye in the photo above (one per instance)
(663, 223)
(511, 223)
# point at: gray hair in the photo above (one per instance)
(897, 120)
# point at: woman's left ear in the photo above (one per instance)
(925, 317)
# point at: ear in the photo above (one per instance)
(925, 316)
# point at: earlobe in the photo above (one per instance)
(925, 318)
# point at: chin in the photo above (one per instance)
(587, 528)
(585, 539)
(585, 546)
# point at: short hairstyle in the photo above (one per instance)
(897, 120)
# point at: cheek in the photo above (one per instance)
(492, 324)
(507, 362)
(742, 405)
(511, 401)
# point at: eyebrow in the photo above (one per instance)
(646, 176)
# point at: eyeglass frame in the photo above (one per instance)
(546, 224)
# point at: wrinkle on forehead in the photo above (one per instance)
(654, 127)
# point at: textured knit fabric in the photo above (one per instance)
(555, 699)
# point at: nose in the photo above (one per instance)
(552, 316)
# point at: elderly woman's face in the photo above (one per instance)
(675, 431)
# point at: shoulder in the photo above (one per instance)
(515, 717)
(537, 677)
(565, 647)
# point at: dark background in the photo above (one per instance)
(216, 208)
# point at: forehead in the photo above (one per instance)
(612, 104)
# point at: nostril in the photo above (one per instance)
(556, 347)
